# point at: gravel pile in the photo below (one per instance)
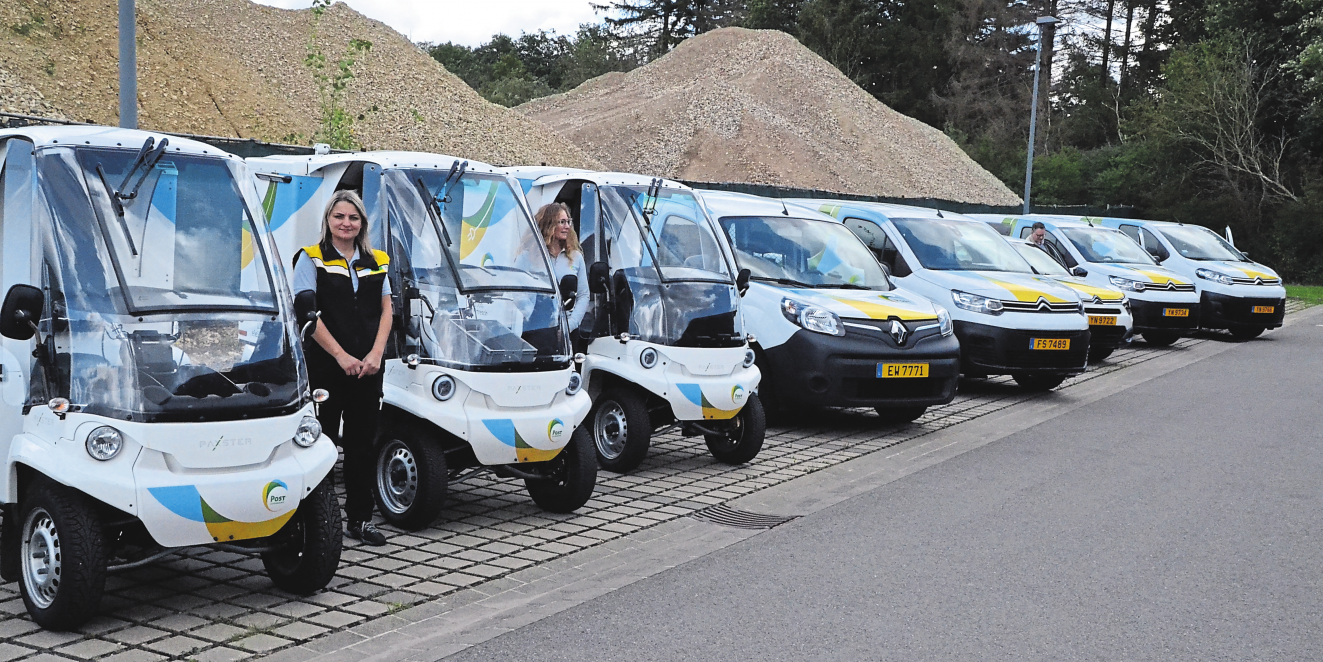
(19, 97)
(235, 68)
(737, 105)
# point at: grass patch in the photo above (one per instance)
(396, 607)
(1312, 294)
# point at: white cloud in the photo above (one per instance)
(468, 22)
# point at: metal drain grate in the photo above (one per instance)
(739, 519)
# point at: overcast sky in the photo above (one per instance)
(468, 22)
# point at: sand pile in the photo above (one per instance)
(234, 68)
(737, 105)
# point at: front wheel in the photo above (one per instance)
(745, 437)
(621, 429)
(63, 556)
(900, 414)
(1246, 332)
(411, 478)
(1161, 338)
(1038, 382)
(572, 476)
(1097, 355)
(307, 549)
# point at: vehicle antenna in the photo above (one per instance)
(785, 211)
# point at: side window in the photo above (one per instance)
(1059, 252)
(1025, 231)
(880, 244)
(1152, 245)
(894, 260)
(1132, 231)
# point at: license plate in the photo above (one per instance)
(1049, 343)
(886, 370)
(1102, 320)
(1264, 309)
(1175, 312)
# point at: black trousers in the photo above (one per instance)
(356, 402)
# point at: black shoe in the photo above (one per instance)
(367, 532)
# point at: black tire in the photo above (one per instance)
(575, 471)
(1246, 332)
(411, 477)
(63, 556)
(900, 414)
(1038, 382)
(1161, 338)
(621, 429)
(308, 545)
(745, 440)
(1099, 354)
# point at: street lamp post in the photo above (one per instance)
(128, 65)
(1042, 22)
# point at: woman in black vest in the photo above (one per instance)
(345, 356)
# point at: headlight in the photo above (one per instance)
(1126, 283)
(944, 321)
(443, 388)
(104, 443)
(975, 303)
(812, 318)
(749, 357)
(310, 430)
(576, 383)
(1209, 274)
(648, 357)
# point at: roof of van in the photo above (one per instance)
(307, 164)
(543, 175)
(725, 203)
(887, 209)
(107, 136)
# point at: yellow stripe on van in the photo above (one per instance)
(1257, 274)
(879, 311)
(833, 211)
(1162, 279)
(1100, 292)
(1022, 293)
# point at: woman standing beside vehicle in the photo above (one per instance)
(553, 220)
(353, 296)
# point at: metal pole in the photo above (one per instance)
(1033, 122)
(128, 65)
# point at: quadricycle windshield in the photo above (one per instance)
(161, 305)
(672, 233)
(950, 245)
(803, 253)
(468, 249)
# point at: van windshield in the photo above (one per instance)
(1039, 260)
(803, 251)
(1107, 245)
(1195, 242)
(952, 245)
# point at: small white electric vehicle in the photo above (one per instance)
(1235, 293)
(665, 338)
(1009, 320)
(1110, 322)
(154, 390)
(1164, 304)
(479, 375)
(832, 330)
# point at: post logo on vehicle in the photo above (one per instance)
(555, 429)
(737, 394)
(274, 495)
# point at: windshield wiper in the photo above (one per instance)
(434, 209)
(148, 156)
(846, 286)
(784, 281)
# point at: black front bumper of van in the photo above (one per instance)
(1150, 316)
(817, 370)
(993, 350)
(1226, 312)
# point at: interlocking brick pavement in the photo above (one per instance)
(205, 604)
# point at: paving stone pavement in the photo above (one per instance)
(209, 605)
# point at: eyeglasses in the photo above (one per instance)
(564, 221)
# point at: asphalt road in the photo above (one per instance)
(1177, 520)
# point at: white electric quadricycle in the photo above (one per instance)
(154, 390)
(665, 340)
(479, 374)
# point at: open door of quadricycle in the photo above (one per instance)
(479, 377)
(667, 347)
(154, 391)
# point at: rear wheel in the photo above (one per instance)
(900, 414)
(1161, 338)
(745, 438)
(411, 478)
(621, 430)
(307, 549)
(1096, 355)
(1246, 332)
(62, 556)
(574, 474)
(1037, 381)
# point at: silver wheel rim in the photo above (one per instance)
(42, 558)
(397, 476)
(610, 429)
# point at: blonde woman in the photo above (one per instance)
(566, 255)
(353, 295)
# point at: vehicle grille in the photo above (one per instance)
(1041, 306)
(1095, 310)
(1098, 299)
(1171, 286)
(1257, 281)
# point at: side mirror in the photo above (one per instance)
(1079, 272)
(742, 281)
(569, 290)
(886, 268)
(599, 277)
(305, 312)
(22, 309)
